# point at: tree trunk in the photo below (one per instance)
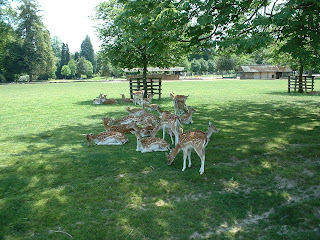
(144, 75)
(30, 77)
(300, 76)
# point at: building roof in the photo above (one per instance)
(156, 69)
(264, 68)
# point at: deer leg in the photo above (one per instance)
(201, 154)
(155, 131)
(185, 155)
(189, 156)
(170, 133)
(176, 138)
(163, 132)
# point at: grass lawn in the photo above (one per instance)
(261, 178)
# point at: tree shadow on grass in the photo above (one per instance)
(58, 183)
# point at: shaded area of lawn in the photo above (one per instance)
(263, 165)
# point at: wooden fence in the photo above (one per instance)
(307, 83)
(153, 86)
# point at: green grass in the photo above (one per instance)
(261, 177)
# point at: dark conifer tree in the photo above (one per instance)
(87, 51)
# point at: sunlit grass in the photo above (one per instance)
(261, 175)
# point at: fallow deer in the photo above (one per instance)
(136, 111)
(145, 131)
(179, 103)
(122, 128)
(106, 138)
(187, 118)
(138, 97)
(197, 140)
(171, 122)
(150, 144)
(125, 100)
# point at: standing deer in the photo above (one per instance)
(197, 140)
(171, 122)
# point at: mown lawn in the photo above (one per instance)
(261, 177)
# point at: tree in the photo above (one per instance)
(87, 50)
(65, 54)
(73, 67)
(56, 44)
(211, 66)
(138, 38)
(225, 63)
(298, 29)
(195, 66)
(8, 65)
(84, 67)
(204, 65)
(66, 71)
(37, 54)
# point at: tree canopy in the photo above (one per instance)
(134, 36)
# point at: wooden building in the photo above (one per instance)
(155, 72)
(263, 72)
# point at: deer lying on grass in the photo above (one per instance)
(136, 111)
(125, 100)
(187, 118)
(126, 120)
(122, 128)
(109, 101)
(314, 92)
(150, 144)
(106, 138)
(99, 99)
(147, 100)
(197, 140)
(156, 107)
(145, 131)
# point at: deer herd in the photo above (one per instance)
(145, 126)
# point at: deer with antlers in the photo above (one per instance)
(197, 140)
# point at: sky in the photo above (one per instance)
(71, 21)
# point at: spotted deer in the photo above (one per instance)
(106, 138)
(126, 119)
(150, 144)
(109, 101)
(125, 100)
(171, 122)
(148, 100)
(145, 131)
(136, 111)
(138, 97)
(179, 103)
(122, 128)
(156, 107)
(197, 140)
(187, 118)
